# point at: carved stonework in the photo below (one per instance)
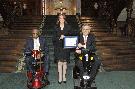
(61, 6)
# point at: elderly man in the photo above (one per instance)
(87, 41)
(36, 42)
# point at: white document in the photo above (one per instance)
(70, 41)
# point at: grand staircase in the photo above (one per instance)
(116, 52)
(11, 46)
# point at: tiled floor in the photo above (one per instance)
(104, 80)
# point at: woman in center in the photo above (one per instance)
(63, 55)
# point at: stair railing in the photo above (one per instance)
(42, 23)
(78, 20)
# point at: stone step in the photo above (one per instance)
(21, 36)
(21, 31)
(125, 56)
(100, 43)
(124, 67)
(99, 29)
(15, 52)
(108, 62)
(114, 47)
(25, 27)
(112, 38)
(12, 44)
(4, 48)
(110, 57)
(31, 18)
(90, 19)
(8, 63)
(7, 69)
(116, 52)
(125, 52)
(27, 23)
(93, 24)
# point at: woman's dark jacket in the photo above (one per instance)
(60, 52)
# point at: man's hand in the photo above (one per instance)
(42, 54)
(38, 56)
(78, 51)
(80, 45)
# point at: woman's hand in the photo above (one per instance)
(62, 36)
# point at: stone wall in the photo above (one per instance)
(54, 7)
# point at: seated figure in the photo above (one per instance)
(37, 62)
(38, 43)
(86, 50)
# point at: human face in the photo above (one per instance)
(61, 19)
(86, 30)
(35, 33)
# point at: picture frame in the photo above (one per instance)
(70, 41)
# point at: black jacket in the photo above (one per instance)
(59, 52)
(90, 44)
(57, 33)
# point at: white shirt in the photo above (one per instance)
(85, 39)
(36, 44)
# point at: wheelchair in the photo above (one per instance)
(82, 82)
(38, 79)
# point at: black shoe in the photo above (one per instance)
(48, 82)
(64, 82)
(33, 73)
(75, 87)
(82, 83)
(90, 83)
(55, 61)
(46, 73)
(59, 82)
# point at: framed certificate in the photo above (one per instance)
(70, 41)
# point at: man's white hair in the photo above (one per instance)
(86, 26)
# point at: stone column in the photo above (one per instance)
(128, 20)
(129, 8)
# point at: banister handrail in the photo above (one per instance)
(42, 23)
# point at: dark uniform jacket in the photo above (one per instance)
(90, 44)
(30, 45)
(60, 52)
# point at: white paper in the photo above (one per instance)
(70, 42)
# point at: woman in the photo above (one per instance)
(61, 29)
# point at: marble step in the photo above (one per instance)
(7, 69)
